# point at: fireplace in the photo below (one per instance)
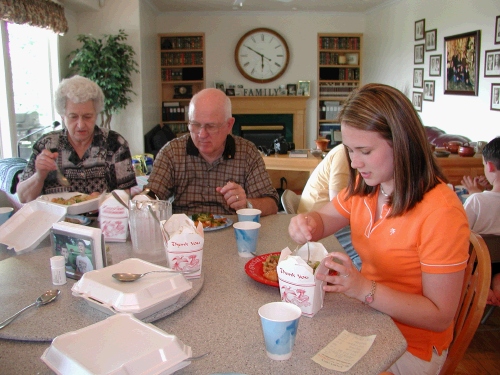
(270, 113)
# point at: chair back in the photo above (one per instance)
(493, 243)
(473, 298)
(290, 201)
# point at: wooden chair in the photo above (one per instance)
(472, 302)
(493, 243)
(290, 201)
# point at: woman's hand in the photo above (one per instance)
(45, 162)
(301, 228)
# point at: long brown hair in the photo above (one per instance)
(387, 111)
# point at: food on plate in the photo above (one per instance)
(269, 267)
(79, 198)
(208, 220)
(71, 220)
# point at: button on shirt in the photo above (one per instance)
(180, 171)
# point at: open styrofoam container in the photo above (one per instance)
(73, 209)
(141, 298)
(118, 345)
(30, 225)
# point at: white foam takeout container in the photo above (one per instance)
(73, 209)
(141, 298)
(126, 346)
(30, 225)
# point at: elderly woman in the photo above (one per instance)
(91, 158)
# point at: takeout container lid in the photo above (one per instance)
(127, 346)
(30, 225)
(141, 298)
(297, 281)
(73, 209)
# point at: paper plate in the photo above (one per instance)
(73, 209)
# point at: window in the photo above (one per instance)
(31, 72)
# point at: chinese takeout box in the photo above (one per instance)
(113, 218)
(297, 281)
(183, 244)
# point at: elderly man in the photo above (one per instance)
(210, 170)
(92, 159)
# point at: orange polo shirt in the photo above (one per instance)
(433, 237)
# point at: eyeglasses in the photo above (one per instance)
(195, 127)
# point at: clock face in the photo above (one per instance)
(262, 55)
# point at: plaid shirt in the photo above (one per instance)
(105, 166)
(180, 171)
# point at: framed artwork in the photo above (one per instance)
(292, 89)
(430, 40)
(420, 29)
(461, 76)
(497, 31)
(429, 89)
(435, 66)
(495, 97)
(418, 55)
(417, 101)
(492, 63)
(305, 88)
(221, 85)
(418, 76)
(230, 92)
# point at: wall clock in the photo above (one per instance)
(262, 55)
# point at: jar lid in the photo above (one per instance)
(57, 261)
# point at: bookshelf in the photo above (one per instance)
(339, 73)
(182, 74)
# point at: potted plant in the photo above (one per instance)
(109, 62)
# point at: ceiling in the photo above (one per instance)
(360, 6)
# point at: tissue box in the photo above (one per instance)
(183, 244)
(297, 281)
(113, 218)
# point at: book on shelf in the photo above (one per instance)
(300, 153)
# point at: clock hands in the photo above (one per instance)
(258, 53)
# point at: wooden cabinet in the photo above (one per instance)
(455, 167)
(182, 74)
(339, 73)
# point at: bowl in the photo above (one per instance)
(453, 146)
(466, 151)
(442, 154)
(322, 143)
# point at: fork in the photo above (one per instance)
(60, 177)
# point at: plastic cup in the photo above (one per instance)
(249, 214)
(280, 321)
(246, 233)
(5, 213)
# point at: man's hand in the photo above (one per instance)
(234, 195)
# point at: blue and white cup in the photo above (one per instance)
(5, 213)
(280, 321)
(247, 234)
(249, 214)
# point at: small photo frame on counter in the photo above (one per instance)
(291, 89)
(82, 247)
(304, 88)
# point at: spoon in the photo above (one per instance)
(45, 298)
(128, 277)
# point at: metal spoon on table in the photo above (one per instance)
(128, 277)
(47, 297)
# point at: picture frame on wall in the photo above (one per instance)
(435, 66)
(431, 40)
(461, 77)
(497, 30)
(418, 54)
(429, 90)
(495, 97)
(418, 77)
(420, 29)
(417, 101)
(492, 63)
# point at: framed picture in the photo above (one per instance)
(230, 92)
(461, 76)
(221, 85)
(430, 40)
(418, 76)
(420, 29)
(305, 88)
(418, 55)
(352, 58)
(292, 89)
(239, 90)
(492, 63)
(435, 66)
(495, 96)
(417, 101)
(497, 31)
(429, 88)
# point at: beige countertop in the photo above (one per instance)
(221, 319)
